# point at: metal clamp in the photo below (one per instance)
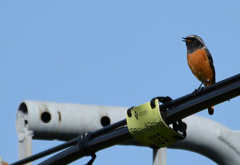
(146, 125)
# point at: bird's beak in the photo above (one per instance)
(186, 40)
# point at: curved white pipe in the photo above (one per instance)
(212, 140)
(47, 121)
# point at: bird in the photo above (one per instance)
(200, 62)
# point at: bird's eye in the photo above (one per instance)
(194, 39)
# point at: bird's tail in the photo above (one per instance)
(211, 110)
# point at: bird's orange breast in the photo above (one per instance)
(200, 67)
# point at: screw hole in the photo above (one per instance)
(105, 121)
(25, 123)
(46, 117)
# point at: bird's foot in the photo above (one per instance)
(195, 91)
(199, 88)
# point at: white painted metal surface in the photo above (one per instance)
(160, 156)
(50, 121)
(212, 140)
(47, 121)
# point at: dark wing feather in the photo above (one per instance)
(210, 59)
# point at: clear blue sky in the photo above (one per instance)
(117, 53)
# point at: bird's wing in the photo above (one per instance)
(210, 59)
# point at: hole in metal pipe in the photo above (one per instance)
(46, 117)
(105, 121)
